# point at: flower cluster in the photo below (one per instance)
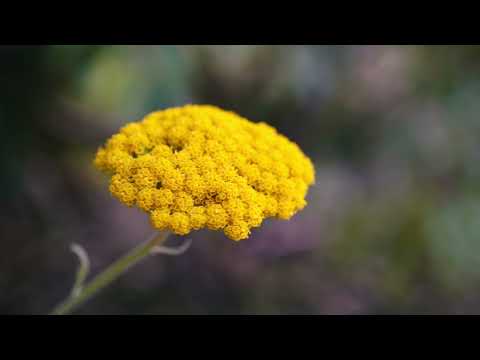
(199, 166)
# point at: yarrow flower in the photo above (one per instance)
(199, 166)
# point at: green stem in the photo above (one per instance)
(110, 274)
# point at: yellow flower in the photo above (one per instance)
(199, 166)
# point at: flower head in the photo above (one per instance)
(200, 166)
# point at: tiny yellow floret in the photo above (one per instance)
(198, 166)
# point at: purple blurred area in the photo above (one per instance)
(392, 225)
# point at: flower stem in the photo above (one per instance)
(110, 274)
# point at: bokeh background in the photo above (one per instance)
(393, 221)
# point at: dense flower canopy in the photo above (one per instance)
(200, 166)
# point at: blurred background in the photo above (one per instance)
(393, 221)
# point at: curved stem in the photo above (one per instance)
(110, 274)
